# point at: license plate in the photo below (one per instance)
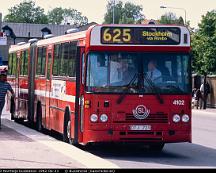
(140, 127)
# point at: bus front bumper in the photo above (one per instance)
(170, 136)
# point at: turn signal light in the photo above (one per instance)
(87, 104)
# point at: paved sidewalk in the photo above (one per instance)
(22, 147)
(20, 151)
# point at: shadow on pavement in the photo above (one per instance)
(7, 133)
(182, 154)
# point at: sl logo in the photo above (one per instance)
(141, 112)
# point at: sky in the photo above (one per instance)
(95, 9)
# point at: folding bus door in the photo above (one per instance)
(48, 88)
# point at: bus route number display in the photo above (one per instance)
(140, 35)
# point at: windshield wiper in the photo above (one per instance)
(154, 88)
(122, 96)
(150, 83)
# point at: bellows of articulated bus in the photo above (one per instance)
(29, 41)
(33, 40)
(72, 30)
(21, 43)
(48, 36)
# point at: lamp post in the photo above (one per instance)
(113, 11)
(176, 9)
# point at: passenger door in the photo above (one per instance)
(17, 84)
(48, 86)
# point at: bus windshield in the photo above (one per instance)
(141, 73)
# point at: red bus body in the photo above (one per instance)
(60, 94)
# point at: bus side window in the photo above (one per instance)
(21, 63)
(49, 65)
(64, 60)
(25, 62)
(72, 59)
(14, 66)
(10, 63)
(56, 60)
(83, 68)
(41, 62)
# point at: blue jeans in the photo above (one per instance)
(1, 108)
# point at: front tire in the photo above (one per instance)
(12, 108)
(67, 127)
(39, 118)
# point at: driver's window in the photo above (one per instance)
(97, 71)
(122, 69)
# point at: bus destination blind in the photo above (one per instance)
(140, 35)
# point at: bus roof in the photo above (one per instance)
(140, 35)
(54, 40)
(62, 38)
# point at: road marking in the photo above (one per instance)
(87, 159)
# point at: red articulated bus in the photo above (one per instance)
(110, 83)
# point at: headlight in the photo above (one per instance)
(185, 118)
(93, 118)
(104, 118)
(176, 118)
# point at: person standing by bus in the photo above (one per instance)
(205, 90)
(4, 87)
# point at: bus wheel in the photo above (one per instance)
(67, 127)
(19, 120)
(39, 118)
(158, 147)
(12, 108)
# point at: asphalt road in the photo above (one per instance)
(26, 148)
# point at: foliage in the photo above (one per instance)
(55, 16)
(26, 12)
(65, 16)
(170, 18)
(127, 13)
(204, 45)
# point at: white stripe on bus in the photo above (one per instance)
(65, 97)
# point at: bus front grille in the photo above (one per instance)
(141, 139)
(152, 118)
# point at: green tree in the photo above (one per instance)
(170, 18)
(108, 18)
(180, 21)
(204, 45)
(55, 16)
(26, 12)
(127, 13)
(67, 15)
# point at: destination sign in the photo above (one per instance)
(141, 35)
